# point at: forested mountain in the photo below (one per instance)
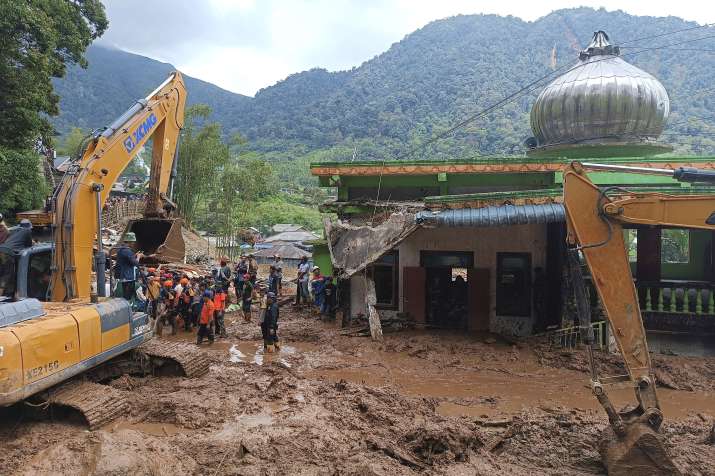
(433, 78)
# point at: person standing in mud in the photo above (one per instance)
(206, 319)
(269, 325)
(252, 268)
(302, 284)
(329, 301)
(247, 298)
(223, 276)
(241, 271)
(278, 267)
(219, 309)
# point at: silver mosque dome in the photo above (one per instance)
(601, 101)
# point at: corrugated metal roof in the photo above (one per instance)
(493, 216)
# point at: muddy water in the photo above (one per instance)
(505, 387)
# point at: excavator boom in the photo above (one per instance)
(79, 199)
(595, 219)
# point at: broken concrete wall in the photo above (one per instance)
(353, 248)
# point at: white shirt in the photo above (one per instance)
(305, 269)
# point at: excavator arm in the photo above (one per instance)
(78, 200)
(595, 219)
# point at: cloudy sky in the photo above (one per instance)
(245, 45)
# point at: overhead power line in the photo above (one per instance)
(532, 86)
(668, 33)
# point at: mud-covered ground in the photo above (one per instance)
(419, 403)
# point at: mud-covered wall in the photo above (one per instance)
(485, 243)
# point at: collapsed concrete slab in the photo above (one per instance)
(352, 248)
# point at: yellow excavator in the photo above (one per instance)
(78, 330)
(595, 219)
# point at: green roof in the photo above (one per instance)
(515, 160)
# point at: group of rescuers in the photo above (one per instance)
(201, 302)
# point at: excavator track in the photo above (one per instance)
(99, 404)
(191, 361)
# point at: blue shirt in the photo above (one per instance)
(127, 261)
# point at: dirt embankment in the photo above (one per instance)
(329, 404)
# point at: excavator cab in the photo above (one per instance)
(25, 273)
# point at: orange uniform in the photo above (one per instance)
(207, 312)
(219, 302)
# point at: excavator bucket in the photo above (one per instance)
(160, 239)
(639, 452)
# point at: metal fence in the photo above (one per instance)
(570, 337)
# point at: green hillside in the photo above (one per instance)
(420, 86)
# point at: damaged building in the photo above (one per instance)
(479, 244)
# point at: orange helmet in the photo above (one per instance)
(184, 281)
(168, 283)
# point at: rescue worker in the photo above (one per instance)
(183, 305)
(21, 237)
(4, 231)
(165, 308)
(269, 326)
(247, 298)
(206, 319)
(219, 309)
(127, 262)
(153, 290)
(196, 301)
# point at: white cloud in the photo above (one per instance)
(244, 45)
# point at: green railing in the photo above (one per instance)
(687, 297)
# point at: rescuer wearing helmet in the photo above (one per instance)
(183, 302)
(127, 263)
(165, 308)
(205, 320)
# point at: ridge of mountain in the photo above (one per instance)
(421, 85)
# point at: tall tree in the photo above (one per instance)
(202, 156)
(38, 38)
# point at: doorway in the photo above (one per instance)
(447, 288)
(513, 287)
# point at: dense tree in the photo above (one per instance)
(38, 38)
(23, 186)
(202, 156)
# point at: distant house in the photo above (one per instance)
(291, 255)
(292, 237)
(283, 227)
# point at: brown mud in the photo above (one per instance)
(418, 403)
